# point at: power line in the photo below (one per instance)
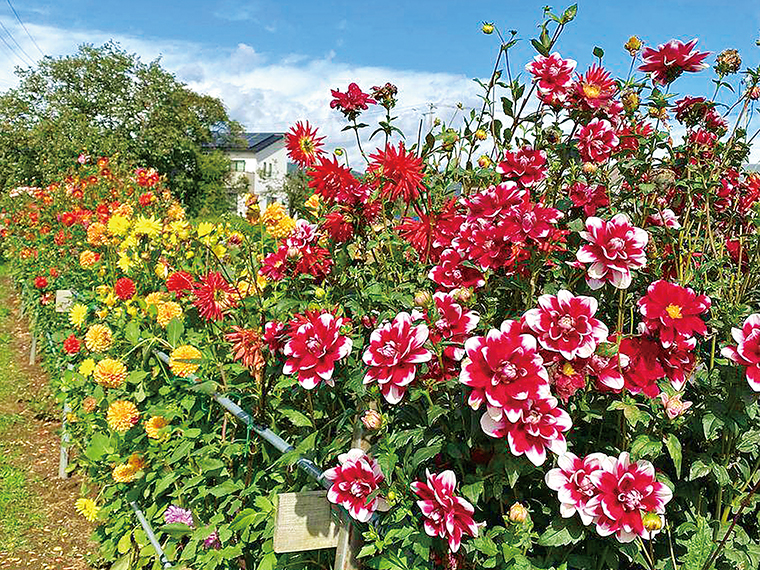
(7, 31)
(23, 26)
(10, 47)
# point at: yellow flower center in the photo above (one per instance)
(674, 311)
(591, 91)
(567, 369)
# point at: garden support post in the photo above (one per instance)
(63, 460)
(151, 537)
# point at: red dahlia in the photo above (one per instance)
(40, 282)
(747, 350)
(72, 345)
(333, 182)
(180, 282)
(553, 75)
(673, 312)
(596, 88)
(399, 173)
(354, 480)
(527, 166)
(213, 296)
(246, 347)
(668, 61)
(596, 141)
(124, 288)
(352, 102)
(303, 144)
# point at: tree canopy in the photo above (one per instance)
(107, 102)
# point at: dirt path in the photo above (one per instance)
(39, 527)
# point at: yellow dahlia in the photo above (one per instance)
(205, 228)
(155, 298)
(154, 426)
(98, 338)
(136, 462)
(161, 270)
(313, 204)
(87, 508)
(124, 473)
(110, 373)
(273, 214)
(181, 354)
(283, 229)
(150, 227)
(78, 314)
(168, 311)
(119, 225)
(175, 212)
(122, 415)
(96, 234)
(124, 262)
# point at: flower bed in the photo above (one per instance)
(543, 321)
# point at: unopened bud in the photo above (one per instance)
(89, 404)
(589, 167)
(652, 522)
(338, 152)
(293, 251)
(754, 93)
(630, 101)
(319, 293)
(484, 161)
(487, 28)
(607, 349)
(372, 420)
(518, 513)
(481, 134)
(633, 45)
(463, 295)
(422, 298)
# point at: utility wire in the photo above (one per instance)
(13, 52)
(24, 26)
(7, 31)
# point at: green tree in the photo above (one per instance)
(105, 101)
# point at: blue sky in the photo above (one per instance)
(273, 62)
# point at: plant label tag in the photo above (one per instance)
(305, 521)
(64, 299)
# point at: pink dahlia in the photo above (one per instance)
(527, 166)
(625, 493)
(395, 349)
(504, 369)
(614, 248)
(446, 515)
(314, 347)
(673, 312)
(453, 325)
(588, 197)
(553, 75)
(352, 102)
(539, 426)
(596, 88)
(451, 273)
(573, 483)
(353, 481)
(565, 323)
(747, 349)
(596, 141)
(668, 61)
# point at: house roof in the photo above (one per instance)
(253, 142)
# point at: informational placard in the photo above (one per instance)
(64, 299)
(305, 521)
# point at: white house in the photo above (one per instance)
(262, 162)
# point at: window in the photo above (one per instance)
(238, 166)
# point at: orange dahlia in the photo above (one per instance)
(179, 361)
(154, 426)
(122, 415)
(98, 338)
(168, 311)
(89, 404)
(110, 373)
(96, 234)
(124, 473)
(88, 258)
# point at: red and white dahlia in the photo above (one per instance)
(553, 75)
(573, 483)
(454, 324)
(614, 248)
(668, 61)
(625, 493)
(353, 481)
(395, 349)
(451, 273)
(747, 349)
(313, 348)
(540, 425)
(504, 369)
(597, 140)
(673, 312)
(527, 166)
(565, 323)
(446, 515)
(595, 89)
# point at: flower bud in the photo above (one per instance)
(484, 161)
(293, 252)
(89, 404)
(391, 496)
(589, 168)
(481, 134)
(633, 45)
(338, 152)
(754, 93)
(518, 513)
(319, 293)
(728, 62)
(630, 101)
(463, 295)
(372, 420)
(422, 298)
(487, 28)
(652, 522)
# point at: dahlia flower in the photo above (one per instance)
(565, 323)
(539, 425)
(212, 541)
(615, 247)
(124, 288)
(596, 88)
(313, 348)
(453, 325)
(446, 515)
(40, 282)
(303, 144)
(122, 415)
(552, 74)
(665, 218)
(673, 405)
(179, 283)
(399, 173)
(182, 360)
(154, 426)
(673, 312)
(246, 347)
(72, 345)
(352, 102)
(668, 61)
(747, 349)
(596, 141)
(124, 473)
(394, 351)
(334, 182)
(98, 338)
(588, 197)
(110, 373)
(167, 311)
(174, 514)
(87, 508)
(451, 273)
(572, 481)
(626, 491)
(213, 296)
(504, 369)
(353, 481)
(527, 166)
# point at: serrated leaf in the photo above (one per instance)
(698, 469)
(243, 520)
(561, 532)
(698, 547)
(473, 491)
(296, 418)
(424, 454)
(674, 450)
(645, 446)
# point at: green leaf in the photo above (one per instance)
(177, 530)
(297, 418)
(210, 463)
(122, 563)
(125, 543)
(698, 547)
(561, 532)
(174, 331)
(674, 449)
(538, 46)
(569, 14)
(226, 488)
(698, 469)
(132, 332)
(100, 445)
(243, 519)
(434, 412)
(645, 446)
(473, 491)
(423, 455)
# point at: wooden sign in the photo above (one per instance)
(305, 521)
(64, 299)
